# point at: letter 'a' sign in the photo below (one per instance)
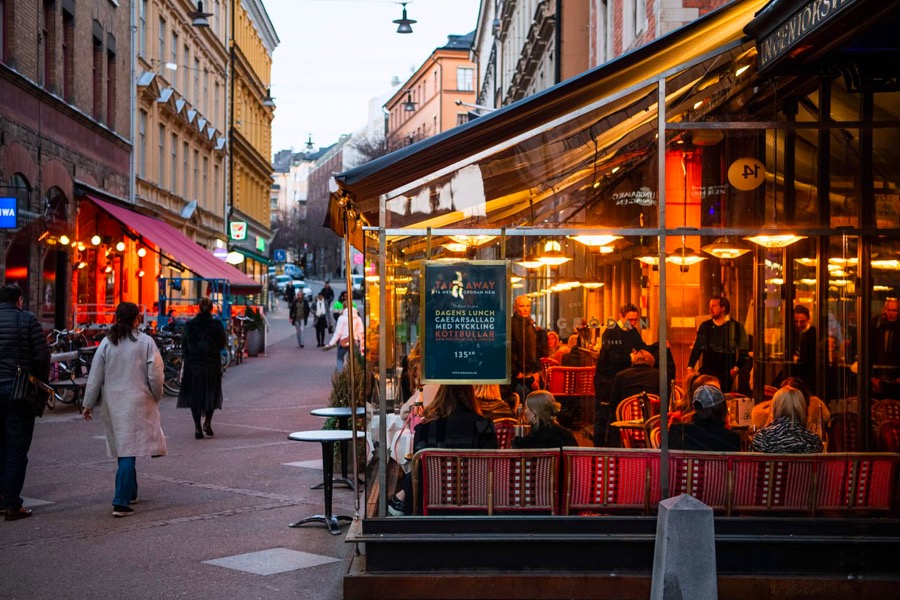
(8, 213)
(238, 230)
(465, 314)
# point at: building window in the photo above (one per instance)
(3, 35)
(142, 143)
(187, 61)
(97, 108)
(215, 116)
(143, 19)
(640, 16)
(162, 157)
(462, 118)
(196, 174)
(111, 89)
(215, 183)
(206, 91)
(465, 79)
(174, 150)
(205, 187)
(161, 56)
(48, 76)
(185, 158)
(174, 57)
(68, 56)
(196, 99)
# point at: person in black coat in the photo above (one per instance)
(541, 409)
(202, 343)
(707, 431)
(804, 366)
(722, 343)
(22, 344)
(640, 377)
(451, 420)
(525, 365)
(616, 345)
(299, 316)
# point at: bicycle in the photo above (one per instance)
(239, 329)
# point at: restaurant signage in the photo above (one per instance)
(8, 213)
(465, 314)
(810, 17)
(238, 230)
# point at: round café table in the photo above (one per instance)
(328, 438)
(342, 414)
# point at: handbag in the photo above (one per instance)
(24, 392)
(345, 342)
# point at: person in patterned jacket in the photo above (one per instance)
(787, 433)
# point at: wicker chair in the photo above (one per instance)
(546, 363)
(570, 381)
(884, 410)
(505, 429)
(653, 432)
(844, 433)
(888, 436)
(630, 409)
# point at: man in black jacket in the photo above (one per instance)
(22, 344)
(640, 377)
(723, 344)
(616, 345)
(524, 364)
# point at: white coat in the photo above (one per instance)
(128, 378)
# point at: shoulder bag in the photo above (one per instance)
(24, 392)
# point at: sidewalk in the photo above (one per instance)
(203, 509)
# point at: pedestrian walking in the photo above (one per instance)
(320, 316)
(328, 295)
(22, 344)
(202, 343)
(127, 376)
(341, 337)
(337, 307)
(299, 314)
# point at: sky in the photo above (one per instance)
(336, 55)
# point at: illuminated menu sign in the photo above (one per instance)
(465, 313)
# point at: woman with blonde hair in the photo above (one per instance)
(541, 409)
(491, 402)
(787, 433)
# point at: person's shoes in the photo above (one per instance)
(198, 434)
(16, 514)
(301, 345)
(122, 511)
(396, 507)
(208, 430)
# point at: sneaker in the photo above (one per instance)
(396, 507)
(122, 511)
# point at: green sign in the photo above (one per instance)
(465, 322)
(261, 243)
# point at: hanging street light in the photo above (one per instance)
(404, 25)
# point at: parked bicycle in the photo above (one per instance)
(169, 345)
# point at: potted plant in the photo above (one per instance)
(255, 329)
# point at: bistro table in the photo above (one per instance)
(328, 438)
(342, 414)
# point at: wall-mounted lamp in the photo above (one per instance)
(409, 105)
(404, 24)
(198, 17)
(269, 101)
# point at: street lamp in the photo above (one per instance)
(269, 101)
(198, 17)
(404, 25)
(309, 143)
(409, 105)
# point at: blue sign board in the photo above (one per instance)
(280, 256)
(8, 213)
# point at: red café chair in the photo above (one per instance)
(570, 381)
(884, 410)
(844, 435)
(505, 428)
(630, 409)
(888, 437)
(546, 363)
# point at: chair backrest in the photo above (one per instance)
(630, 409)
(769, 391)
(885, 410)
(570, 381)
(653, 431)
(505, 429)
(888, 436)
(844, 433)
(486, 481)
(546, 363)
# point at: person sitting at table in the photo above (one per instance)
(541, 409)
(817, 413)
(553, 343)
(564, 349)
(707, 431)
(684, 409)
(641, 376)
(787, 433)
(452, 420)
(491, 402)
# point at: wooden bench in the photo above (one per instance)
(486, 481)
(604, 481)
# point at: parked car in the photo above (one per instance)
(299, 286)
(358, 285)
(280, 282)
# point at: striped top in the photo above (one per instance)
(786, 436)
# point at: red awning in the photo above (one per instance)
(179, 247)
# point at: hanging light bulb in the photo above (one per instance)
(552, 254)
(142, 252)
(120, 246)
(64, 240)
(95, 240)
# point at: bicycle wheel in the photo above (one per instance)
(227, 358)
(172, 382)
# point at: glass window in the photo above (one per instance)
(185, 157)
(68, 56)
(161, 52)
(143, 33)
(3, 30)
(196, 99)
(161, 181)
(465, 79)
(97, 75)
(185, 65)
(174, 162)
(111, 89)
(196, 174)
(142, 143)
(174, 57)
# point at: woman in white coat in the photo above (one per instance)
(342, 333)
(127, 375)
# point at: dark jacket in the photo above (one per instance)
(546, 436)
(616, 346)
(704, 434)
(22, 343)
(523, 350)
(634, 380)
(461, 429)
(785, 436)
(203, 340)
(299, 309)
(722, 347)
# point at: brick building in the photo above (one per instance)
(64, 130)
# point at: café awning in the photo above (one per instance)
(502, 165)
(180, 248)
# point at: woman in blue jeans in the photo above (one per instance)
(127, 375)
